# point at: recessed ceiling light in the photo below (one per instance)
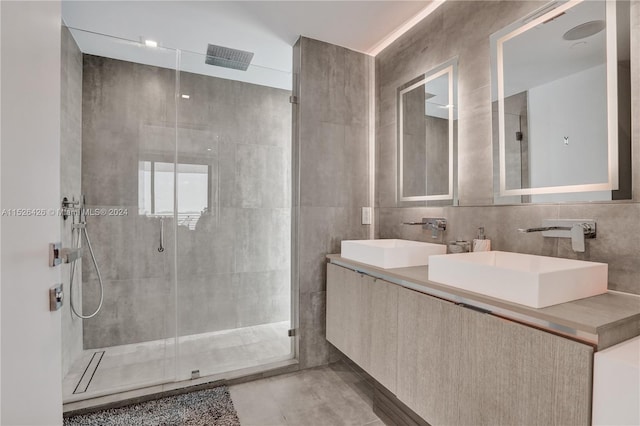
(208, 149)
(151, 43)
(185, 96)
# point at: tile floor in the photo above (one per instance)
(330, 395)
(131, 366)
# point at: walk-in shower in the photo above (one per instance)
(187, 178)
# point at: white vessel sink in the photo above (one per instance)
(390, 253)
(535, 281)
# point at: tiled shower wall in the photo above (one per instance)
(233, 268)
(70, 177)
(459, 28)
(331, 154)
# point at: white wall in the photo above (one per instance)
(573, 106)
(30, 169)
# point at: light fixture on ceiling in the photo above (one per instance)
(185, 96)
(584, 30)
(150, 43)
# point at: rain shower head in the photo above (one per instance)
(228, 58)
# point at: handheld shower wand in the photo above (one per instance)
(81, 228)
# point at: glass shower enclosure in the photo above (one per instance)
(185, 170)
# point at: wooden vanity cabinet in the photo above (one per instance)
(453, 365)
(459, 366)
(362, 321)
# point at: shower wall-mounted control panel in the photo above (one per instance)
(56, 297)
(59, 254)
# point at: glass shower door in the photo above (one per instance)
(126, 170)
(234, 219)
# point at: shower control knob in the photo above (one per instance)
(56, 297)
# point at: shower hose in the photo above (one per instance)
(82, 229)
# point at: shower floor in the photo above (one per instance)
(114, 369)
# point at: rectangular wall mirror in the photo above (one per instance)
(427, 137)
(561, 102)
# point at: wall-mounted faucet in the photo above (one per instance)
(433, 224)
(575, 229)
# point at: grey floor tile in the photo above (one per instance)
(330, 395)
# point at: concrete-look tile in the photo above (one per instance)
(474, 70)
(386, 166)
(321, 414)
(356, 153)
(356, 88)
(475, 175)
(323, 81)
(322, 163)
(323, 396)
(614, 244)
(263, 239)
(109, 162)
(117, 240)
(155, 93)
(386, 102)
(262, 177)
(334, 160)
(263, 297)
(209, 248)
(207, 303)
(158, 138)
(254, 404)
(314, 348)
(321, 231)
(133, 311)
(109, 90)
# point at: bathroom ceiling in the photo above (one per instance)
(267, 28)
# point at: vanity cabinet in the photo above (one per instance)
(362, 321)
(460, 366)
(455, 365)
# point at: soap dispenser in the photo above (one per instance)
(481, 243)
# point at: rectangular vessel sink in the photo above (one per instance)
(535, 281)
(390, 253)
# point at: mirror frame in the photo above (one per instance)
(449, 67)
(612, 99)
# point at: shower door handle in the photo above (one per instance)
(161, 247)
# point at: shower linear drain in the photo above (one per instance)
(87, 376)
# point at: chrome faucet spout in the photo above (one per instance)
(545, 228)
(435, 224)
(576, 230)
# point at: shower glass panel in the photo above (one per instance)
(234, 218)
(186, 172)
(121, 156)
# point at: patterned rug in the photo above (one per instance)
(205, 407)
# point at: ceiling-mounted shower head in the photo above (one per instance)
(228, 58)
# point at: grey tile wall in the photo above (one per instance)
(233, 267)
(331, 153)
(70, 177)
(462, 28)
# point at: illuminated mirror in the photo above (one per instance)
(561, 104)
(427, 132)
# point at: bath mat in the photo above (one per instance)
(204, 407)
